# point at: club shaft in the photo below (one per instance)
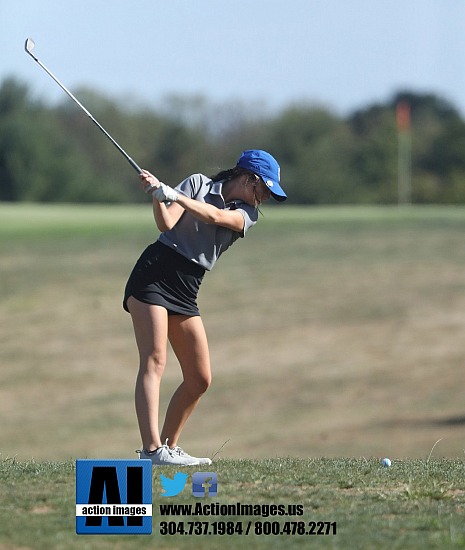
(65, 89)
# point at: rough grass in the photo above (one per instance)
(415, 504)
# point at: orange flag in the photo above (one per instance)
(403, 116)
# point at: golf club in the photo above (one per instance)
(29, 46)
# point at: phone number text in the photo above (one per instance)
(308, 528)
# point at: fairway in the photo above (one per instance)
(334, 332)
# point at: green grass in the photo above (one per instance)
(414, 504)
(334, 332)
(56, 221)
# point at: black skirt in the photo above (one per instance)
(165, 278)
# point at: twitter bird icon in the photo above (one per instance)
(173, 487)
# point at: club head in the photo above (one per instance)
(29, 46)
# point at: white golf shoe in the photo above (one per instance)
(164, 456)
(180, 452)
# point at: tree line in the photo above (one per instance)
(55, 154)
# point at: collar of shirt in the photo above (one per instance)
(216, 188)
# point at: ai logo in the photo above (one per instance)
(113, 497)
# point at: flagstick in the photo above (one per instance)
(405, 168)
(404, 137)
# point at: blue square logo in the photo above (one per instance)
(204, 484)
(113, 497)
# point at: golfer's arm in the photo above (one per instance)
(166, 216)
(207, 213)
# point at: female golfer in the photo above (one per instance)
(198, 220)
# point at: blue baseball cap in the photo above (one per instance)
(264, 165)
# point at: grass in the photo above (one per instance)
(334, 332)
(414, 504)
(340, 328)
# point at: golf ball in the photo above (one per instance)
(385, 462)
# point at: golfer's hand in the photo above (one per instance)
(149, 182)
(165, 193)
(153, 186)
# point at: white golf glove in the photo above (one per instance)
(165, 193)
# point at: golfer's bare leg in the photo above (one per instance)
(189, 341)
(151, 330)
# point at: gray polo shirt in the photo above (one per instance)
(200, 242)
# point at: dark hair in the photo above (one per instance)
(236, 172)
(231, 173)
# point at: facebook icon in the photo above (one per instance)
(204, 484)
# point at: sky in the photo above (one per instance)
(344, 55)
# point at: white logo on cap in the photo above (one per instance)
(269, 183)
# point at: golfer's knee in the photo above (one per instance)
(199, 384)
(204, 383)
(153, 362)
